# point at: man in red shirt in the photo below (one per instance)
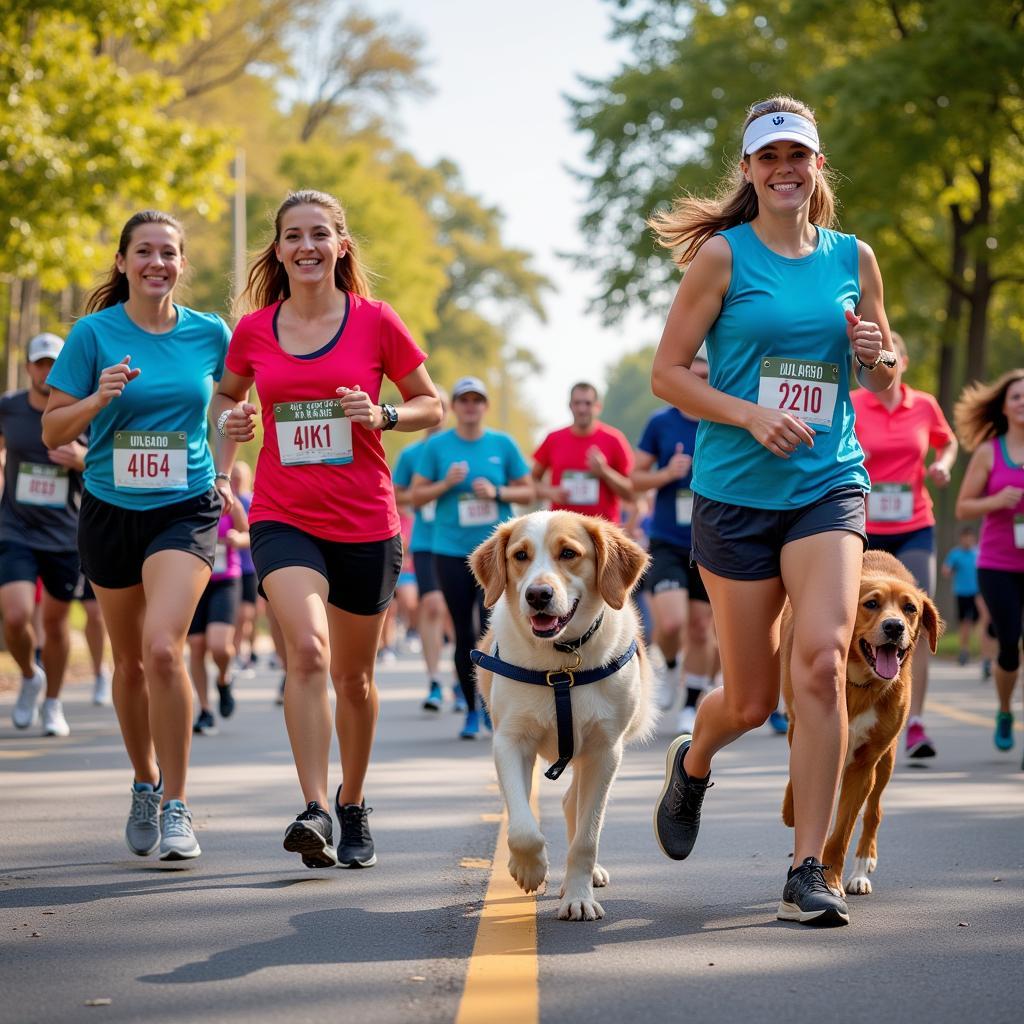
(585, 467)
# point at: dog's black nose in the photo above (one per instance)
(893, 629)
(538, 596)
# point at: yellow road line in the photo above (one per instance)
(965, 716)
(501, 982)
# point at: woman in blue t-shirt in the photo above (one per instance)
(783, 301)
(138, 371)
(474, 474)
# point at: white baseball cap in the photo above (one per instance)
(469, 386)
(780, 126)
(44, 346)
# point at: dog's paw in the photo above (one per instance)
(528, 861)
(601, 877)
(858, 883)
(580, 907)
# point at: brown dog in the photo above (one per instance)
(892, 614)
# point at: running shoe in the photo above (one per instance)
(101, 690)
(677, 813)
(986, 669)
(807, 899)
(205, 725)
(485, 718)
(177, 840)
(1004, 730)
(435, 698)
(779, 721)
(226, 700)
(666, 687)
(25, 712)
(142, 833)
(471, 730)
(963, 657)
(460, 706)
(312, 835)
(918, 743)
(355, 844)
(54, 722)
(687, 716)
(387, 656)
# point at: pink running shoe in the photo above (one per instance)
(918, 743)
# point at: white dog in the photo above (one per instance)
(559, 584)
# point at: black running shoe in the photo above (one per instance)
(677, 813)
(312, 835)
(807, 899)
(205, 725)
(226, 700)
(355, 845)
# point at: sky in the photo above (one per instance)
(499, 72)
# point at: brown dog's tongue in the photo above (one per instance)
(887, 665)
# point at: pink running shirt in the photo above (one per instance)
(996, 545)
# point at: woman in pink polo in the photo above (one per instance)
(990, 421)
(896, 428)
(324, 528)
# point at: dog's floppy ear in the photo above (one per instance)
(488, 564)
(931, 623)
(620, 562)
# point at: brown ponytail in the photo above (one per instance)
(115, 288)
(268, 280)
(693, 219)
(978, 413)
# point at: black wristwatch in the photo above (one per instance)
(390, 414)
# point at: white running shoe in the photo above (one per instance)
(54, 722)
(177, 840)
(101, 690)
(686, 719)
(667, 688)
(25, 712)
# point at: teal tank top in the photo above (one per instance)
(782, 333)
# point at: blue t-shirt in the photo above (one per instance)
(171, 395)
(422, 528)
(778, 310)
(964, 563)
(495, 457)
(672, 507)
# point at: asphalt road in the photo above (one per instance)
(247, 934)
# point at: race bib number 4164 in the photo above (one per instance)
(151, 460)
(311, 432)
(801, 387)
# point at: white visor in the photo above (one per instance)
(779, 127)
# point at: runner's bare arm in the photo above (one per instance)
(420, 408)
(66, 417)
(972, 501)
(546, 491)
(424, 490)
(519, 491)
(870, 335)
(646, 478)
(697, 305)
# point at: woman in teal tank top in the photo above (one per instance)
(783, 301)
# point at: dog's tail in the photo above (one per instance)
(645, 720)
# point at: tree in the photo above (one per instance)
(921, 110)
(629, 402)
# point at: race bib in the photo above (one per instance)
(890, 503)
(801, 387)
(1018, 531)
(220, 559)
(312, 432)
(684, 507)
(582, 488)
(428, 512)
(45, 486)
(151, 460)
(474, 511)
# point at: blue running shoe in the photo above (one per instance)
(461, 707)
(471, 730)
(485, 717)
(434, 698)
(779, 722)
(1004, 730)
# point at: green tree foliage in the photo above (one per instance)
(921, 112)
(629, 402)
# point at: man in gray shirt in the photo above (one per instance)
(38, 540)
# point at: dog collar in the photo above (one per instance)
(561, 680)
(568, 646)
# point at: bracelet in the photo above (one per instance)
(222, 476)
(497, 494)
(865, 365)
(221, 420)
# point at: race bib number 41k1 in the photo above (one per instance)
(311, 432)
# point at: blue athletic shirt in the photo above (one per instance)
(493, 456)
(794, 309)
(964, 563)
(408, 463)
(172, 393)
(664, 430)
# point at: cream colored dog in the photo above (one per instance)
(550, 577)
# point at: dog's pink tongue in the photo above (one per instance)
(887, 665)
(542, 622)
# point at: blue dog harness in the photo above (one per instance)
(561, 680)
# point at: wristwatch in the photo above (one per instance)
(390, 415)
(221, 420)
(885, 358)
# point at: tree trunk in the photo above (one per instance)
(954, 312)
(981, 290)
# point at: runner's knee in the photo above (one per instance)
(307, 656)
(821, 677)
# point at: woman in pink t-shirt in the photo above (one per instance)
(990, 421)
(324, 527)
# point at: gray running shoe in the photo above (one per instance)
(25, 712)
(142, 833)
(677, 813)
(808, 900)
(177, 840)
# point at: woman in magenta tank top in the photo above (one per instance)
(990, 421)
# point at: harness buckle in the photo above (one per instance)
(566, 672)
